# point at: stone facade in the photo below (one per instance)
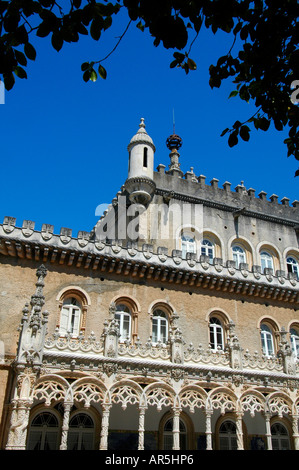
(173, 329)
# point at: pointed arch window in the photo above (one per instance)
(266, 260)
(123, 316)
(81, 432)
(267, 340)
(238, 255)
(70, 317)
(43, 432)
(159, 327)
(294, 334)
(207, 249)
(216, 334)
(188, 244)
(292, 266)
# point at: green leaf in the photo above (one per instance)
(224, 132)
(93, 75)
(237, 124)
(85, 66)
(140, 26)
(191, 64)
(96, 28)
(233, 139)
(30, 51)
(57, 41)
(86, 75)
(244, 133)
(21, 73)
(9, 81)
(233, 93)
(21, 58)
(102, 72)
(44, 30)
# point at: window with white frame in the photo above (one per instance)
(70, 317)
(292, 266)
(207, 249)
(294, 335)
(159, 327)
(266, 260)
(238, 255)
(188, 244)
(216, 334)
(123, 317)
(267, 340)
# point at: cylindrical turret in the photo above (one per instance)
(140, 184)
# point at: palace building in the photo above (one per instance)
(171, 324)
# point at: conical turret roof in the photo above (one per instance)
(141, 137)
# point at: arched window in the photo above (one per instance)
(81, 433)
(238, 255)
(292, 266)
(216, 334)
(159, 326)
(168, 435)
(145, 157)
(188, 244)
(207, 249)
(266, 260)
(43, 432)
(123, 317)
(70, 317)
(295, 342)
(228, 436)
(267, 340)
(280, 437)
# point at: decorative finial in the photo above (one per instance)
(173, 142)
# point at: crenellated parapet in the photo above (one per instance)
(192, 188)
(136, 262)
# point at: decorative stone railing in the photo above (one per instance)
(69, 344)
(90, 346)
(257, 362)
(208, 356)
(148, 350)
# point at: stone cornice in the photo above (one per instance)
(141, 264)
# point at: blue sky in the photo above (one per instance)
(64, 141)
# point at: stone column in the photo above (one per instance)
(268, 431)
(295, 431)
(141, 428)
(208, 429)
(105, 427)
(176, 429)
(65, 426)
(240, 442)
(19, 425)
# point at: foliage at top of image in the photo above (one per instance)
(262, 62)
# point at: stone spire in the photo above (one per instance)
(33, 326)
